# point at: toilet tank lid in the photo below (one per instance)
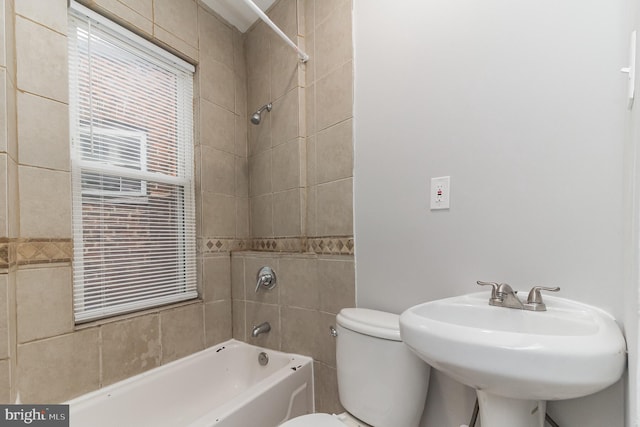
(375, 323)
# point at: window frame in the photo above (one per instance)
(86, 164)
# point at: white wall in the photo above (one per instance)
(632, 248)
(523, 105)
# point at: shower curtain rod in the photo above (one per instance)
(303, 56)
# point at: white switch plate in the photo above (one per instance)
(440, 192)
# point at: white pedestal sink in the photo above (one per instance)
(517, 359)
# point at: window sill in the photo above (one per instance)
(146, 312)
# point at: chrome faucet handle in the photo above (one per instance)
(494, 289)
(266, 278)
(534, 299)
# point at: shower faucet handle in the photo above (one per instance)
(266, 278)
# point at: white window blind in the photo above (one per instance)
(131, 108)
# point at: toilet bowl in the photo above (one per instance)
(381, 382)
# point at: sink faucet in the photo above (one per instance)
(503, 295)
(508, 297)
(262, 328)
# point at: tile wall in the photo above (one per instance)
(300, 186)
(311, 290)
(44, 356)
(9, 207)
(277, 194)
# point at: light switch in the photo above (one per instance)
(440, 192)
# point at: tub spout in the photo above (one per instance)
(262, 328)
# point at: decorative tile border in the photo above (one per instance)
(278, 244)
(5, 257)
(326, 245)
(34, 251)
(43, 251)
(210, 245)
(331, 245)
(46, 251)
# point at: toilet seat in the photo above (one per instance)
(314, 420)
(325, 420)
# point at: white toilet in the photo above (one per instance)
(380, 381)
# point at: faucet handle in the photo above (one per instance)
(494, 289)
(534, 299)
(266, 278)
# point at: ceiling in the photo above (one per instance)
(236, 12)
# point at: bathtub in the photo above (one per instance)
(223, 386)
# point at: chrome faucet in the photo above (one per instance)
(503, 295)
(262, 328)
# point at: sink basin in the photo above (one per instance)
(568, 351)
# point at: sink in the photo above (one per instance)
(517, 359)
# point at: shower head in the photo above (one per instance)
(255, 119)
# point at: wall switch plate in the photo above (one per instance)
(440, 192)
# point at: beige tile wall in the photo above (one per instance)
(44, 303)
(139, 336)
(43, 355)
(329, 115)
(300, 185)
(9, 206)
(57, 368)
(311, 289)
(222, 131)
(290, 177)
(276, 146)
(306, 142)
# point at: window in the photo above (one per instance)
(131, 112)
(118, 147)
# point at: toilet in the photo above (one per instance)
(381, 383)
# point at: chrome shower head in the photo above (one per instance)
(255, 119)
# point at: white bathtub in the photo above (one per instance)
(223, 386)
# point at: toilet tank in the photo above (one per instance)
(380, 380)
